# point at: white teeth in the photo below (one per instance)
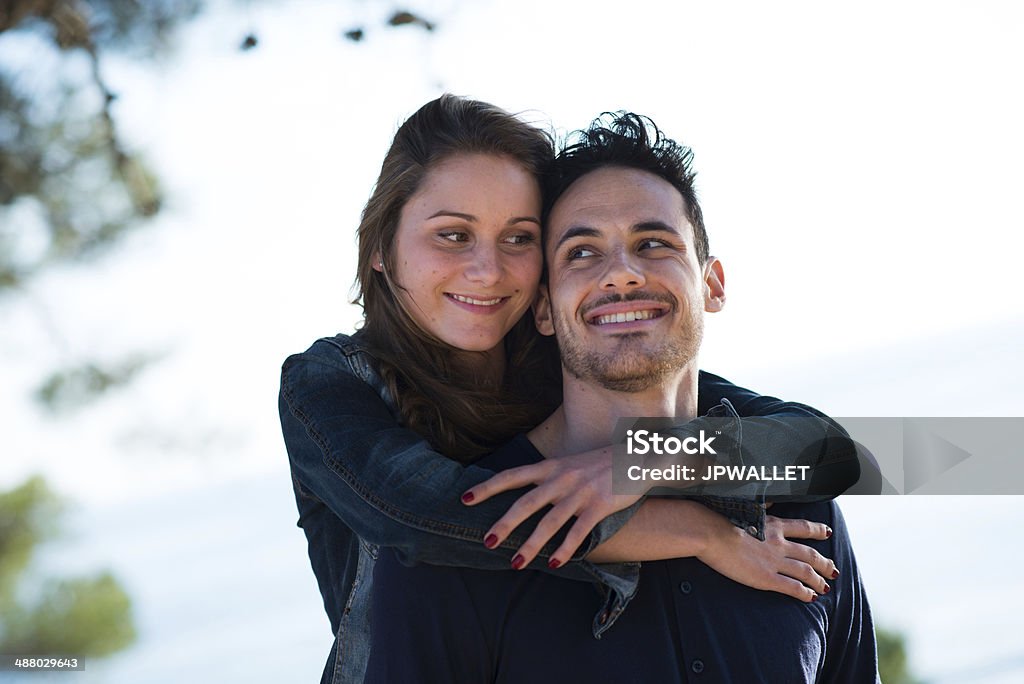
(626, 316)
(478, 302)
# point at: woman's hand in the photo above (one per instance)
(776, 564)
(579, 485)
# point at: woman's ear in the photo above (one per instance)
(377, 263)
(714, 285)
(542, 312)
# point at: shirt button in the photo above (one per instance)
(697, 666)
(685, 587)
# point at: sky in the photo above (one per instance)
(858, 169)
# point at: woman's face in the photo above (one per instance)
(467, 253)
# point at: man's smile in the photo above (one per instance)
(626, 312)
(626, 317)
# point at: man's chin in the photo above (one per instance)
(629, 385)
(619, 374)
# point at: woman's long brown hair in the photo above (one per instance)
(436, 392)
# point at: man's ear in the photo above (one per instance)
(542, 312)
(714, 285)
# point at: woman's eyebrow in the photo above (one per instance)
(524, 219)
(469, 218)
(454, 214)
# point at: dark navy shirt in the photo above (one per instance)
(687, 623)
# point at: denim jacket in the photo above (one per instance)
(362, 481)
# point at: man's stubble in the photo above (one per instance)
(638, 362)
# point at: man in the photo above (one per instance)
(629, 278)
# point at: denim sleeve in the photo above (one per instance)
(773, 432)
(776, 432)
(392, 489)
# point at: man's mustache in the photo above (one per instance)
(630, 297)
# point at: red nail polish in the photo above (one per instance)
(518, 561)
(828, 530)
(814, 598)
(835, 574)
(468, 497)
(827, 589)
(491, 541)
(554, 563)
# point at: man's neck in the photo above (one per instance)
(588, 414)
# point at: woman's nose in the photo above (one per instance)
(485, 267)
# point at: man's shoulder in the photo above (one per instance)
(518, 451)
(838, 546)
(816, 511)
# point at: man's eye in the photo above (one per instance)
(580, 253)
(651, 243)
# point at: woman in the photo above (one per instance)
(449, 261)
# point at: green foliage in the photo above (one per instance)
(75, 616)
(89, 617)
(28, 516)
(73, 387)
(69, 187)
(892, 657)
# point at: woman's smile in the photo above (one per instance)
(481, 303)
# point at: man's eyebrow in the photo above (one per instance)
(469, 218)
(657, 226)
(575, 232)
(642, 227)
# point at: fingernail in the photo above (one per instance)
(491, 540)
(518, 561)
(554, 563)
(827, 589)
(814, 598)
(468, 498)
(835, 574)
(828, 530)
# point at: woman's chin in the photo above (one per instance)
(476, 345)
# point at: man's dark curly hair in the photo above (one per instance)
(632, 141)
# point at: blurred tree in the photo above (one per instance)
(70, 186)
(78, 616)
(892, 658)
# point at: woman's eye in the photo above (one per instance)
(453, 236)
(524, 239)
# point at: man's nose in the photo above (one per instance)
(624, 272)
(485, 267)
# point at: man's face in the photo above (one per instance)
(625, 294)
